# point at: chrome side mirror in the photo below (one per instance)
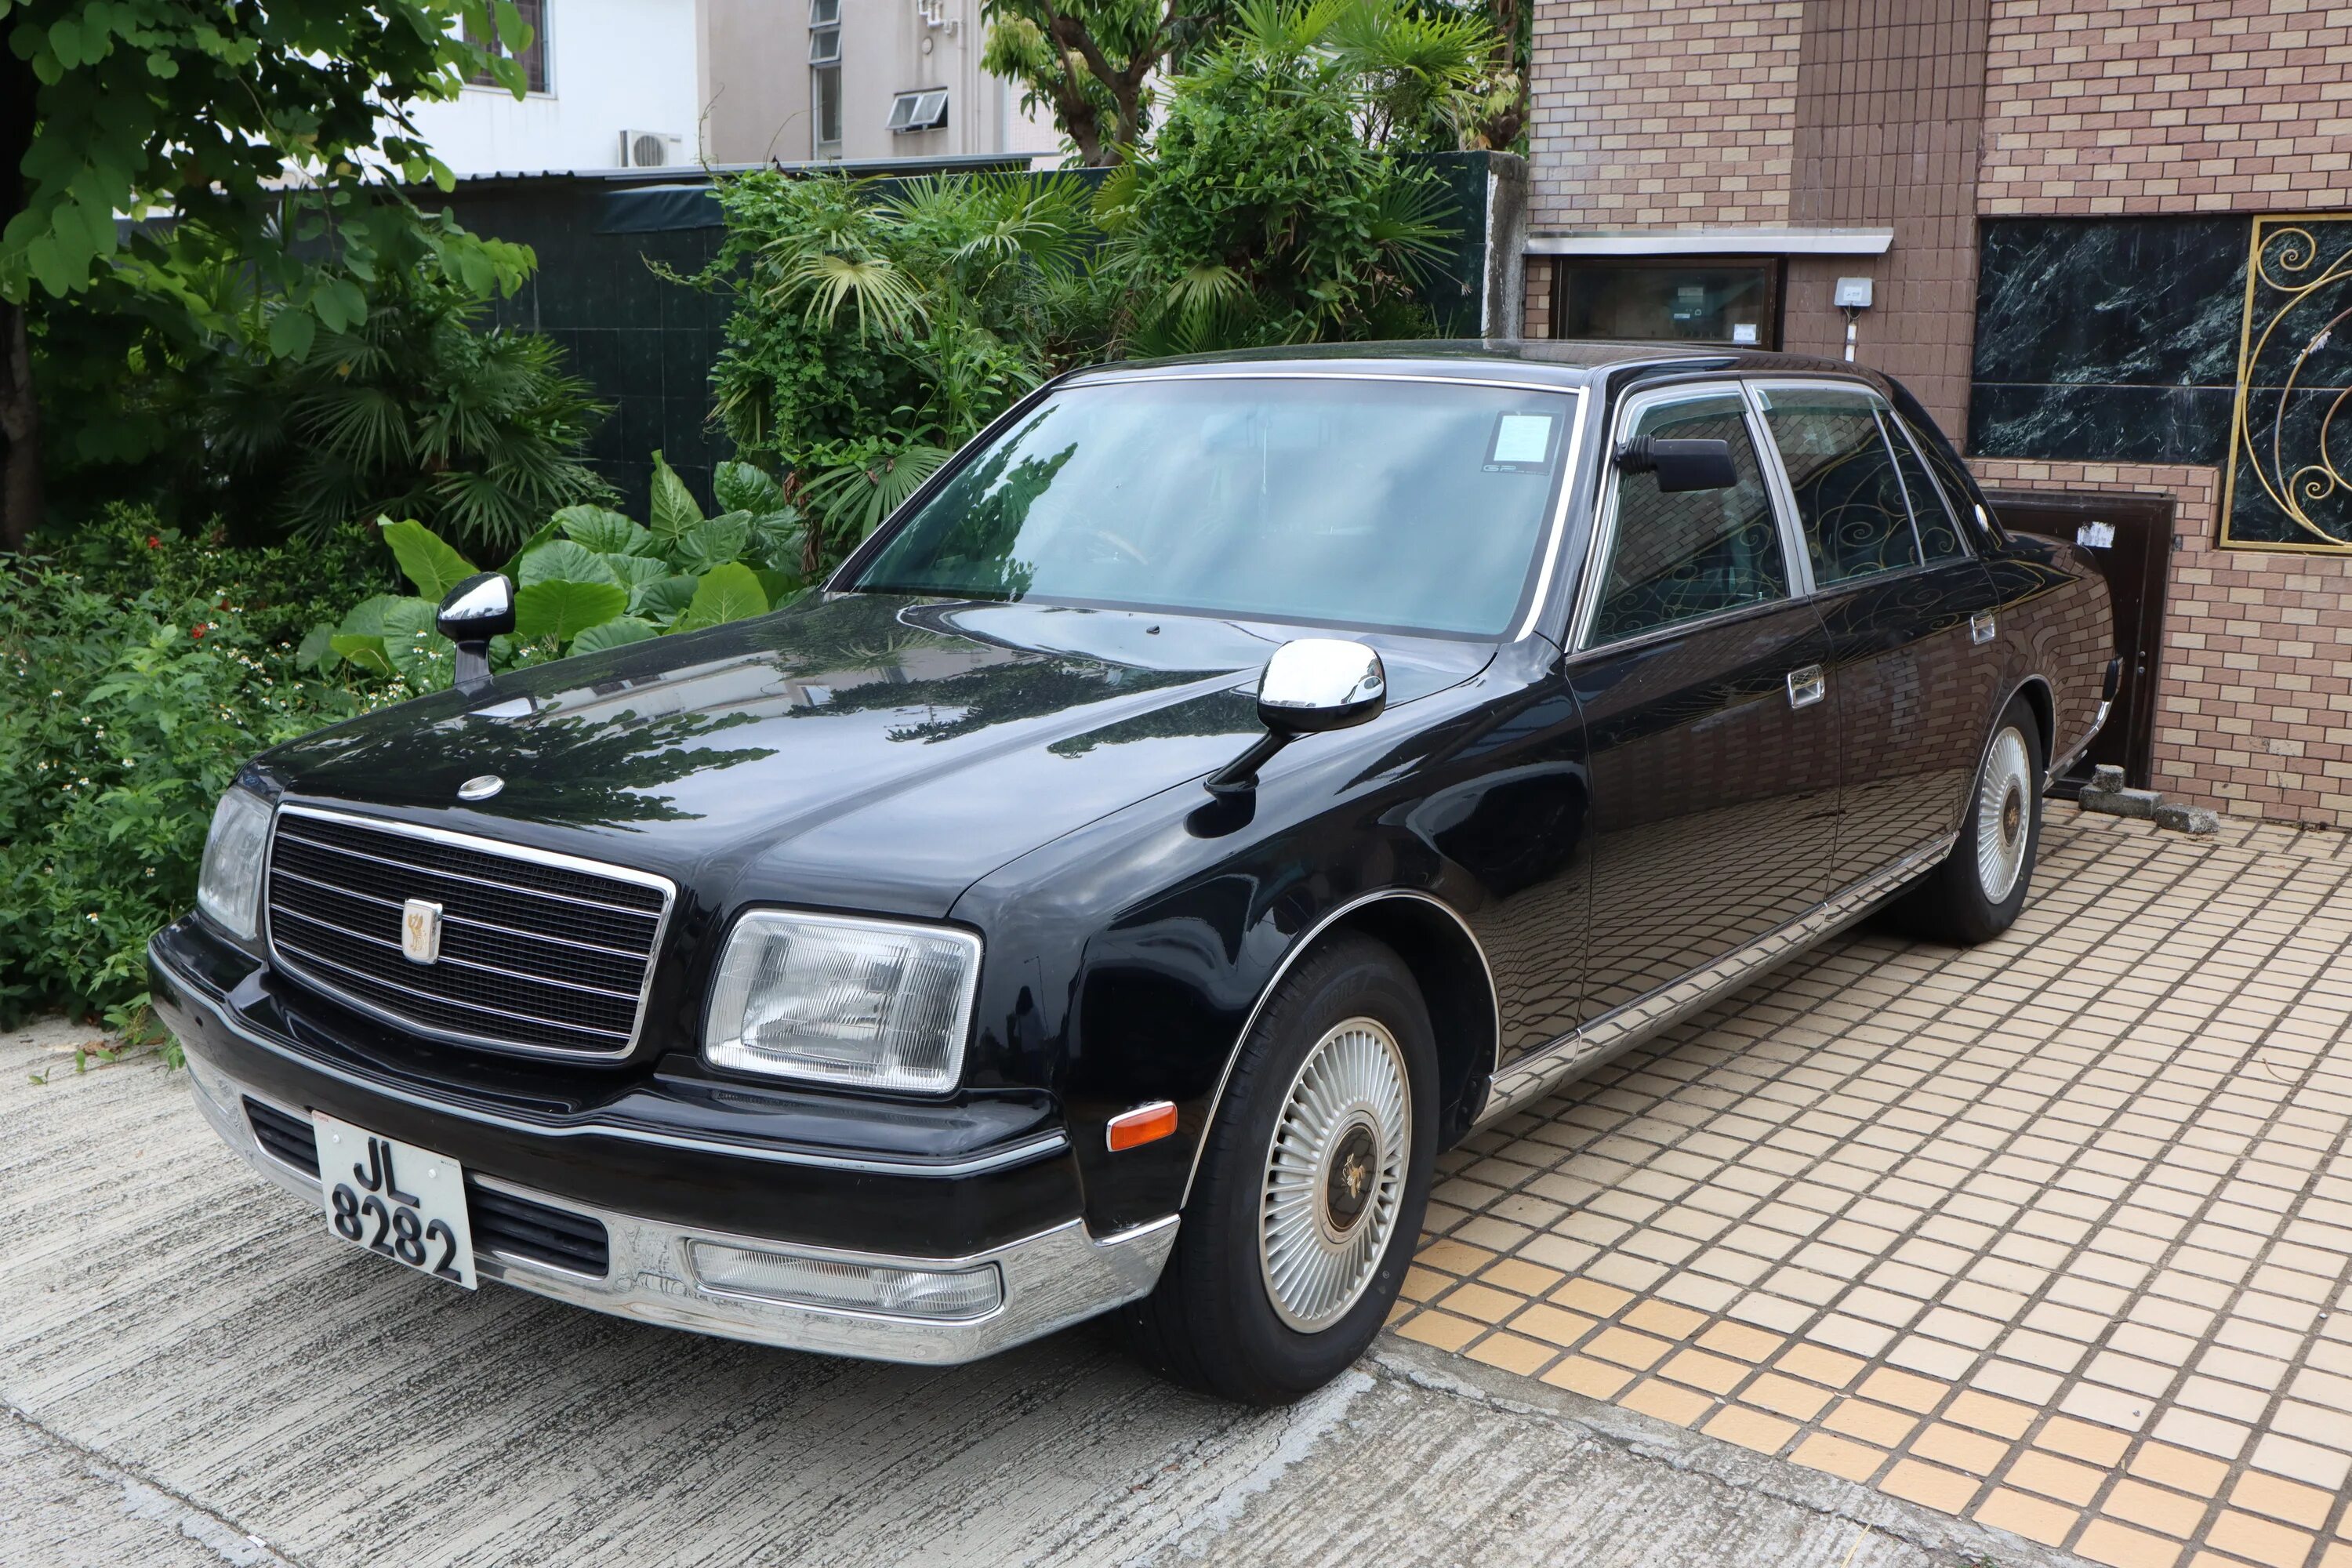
(1309, 686)
(475, 611)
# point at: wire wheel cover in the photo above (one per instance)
(2004, 813)
(1335, 1175)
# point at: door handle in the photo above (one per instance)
(1807, 686)
(1981, 627)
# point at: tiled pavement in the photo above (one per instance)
(2055, 1233)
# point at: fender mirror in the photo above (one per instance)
(1309, 686)
(476, 610)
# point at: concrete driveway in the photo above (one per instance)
(191, 1373)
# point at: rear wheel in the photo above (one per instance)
(1311, 1190)
(1976, 894)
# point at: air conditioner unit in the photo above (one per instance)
(651, 150)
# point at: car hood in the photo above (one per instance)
(858, 750)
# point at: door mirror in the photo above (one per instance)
(1310, 685)
(476, 610)
(1680, 463)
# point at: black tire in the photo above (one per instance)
(1955, 902)
(1212, 1322)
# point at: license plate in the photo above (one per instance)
(395, 1199)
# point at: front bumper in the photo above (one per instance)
(1051, 1278)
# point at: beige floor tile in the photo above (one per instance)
(2260, 1540)
(2282, 1499)
(1786, 1395)
(2001, 1417)
(2179, 1468)
(2036, 1518)
(1750, 1429)
(1666, 1401)
(2049, 1476)
(1874, 1423)
(2155, 1507)
(1946, 1491)
(1855, 1461)
(1435, 1328)
(1512, 1353)
(1592, 1297)
(1595, 1380)
(2119, 1546)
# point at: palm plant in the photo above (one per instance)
(414, 411)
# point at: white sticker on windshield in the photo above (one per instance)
(1522, 438)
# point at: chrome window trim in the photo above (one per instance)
(1882, 412)
(479, 845)
(1292, 954)
(1023, 1152)
(1604, 518)
(1951, 513)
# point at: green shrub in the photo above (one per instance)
(134, 714)
(414, 411)
(1261, 216)
(590, 578)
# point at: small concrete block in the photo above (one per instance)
(2192, 819)
(2106, 778)
(2139, 803)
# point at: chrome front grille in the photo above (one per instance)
(539, 952)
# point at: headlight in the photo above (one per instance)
(228, 889)
(872, 1003)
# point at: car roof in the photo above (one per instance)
(1543, 362)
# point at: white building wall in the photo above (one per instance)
(612, 65)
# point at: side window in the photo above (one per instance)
(1849, 501)
(1679, 556)
(1939, 531)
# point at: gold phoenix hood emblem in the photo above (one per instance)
(420, 931)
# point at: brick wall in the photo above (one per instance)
(2253, 710)
(2135, 105)
(1682, 117)
(1534, 321)
(1886, 119)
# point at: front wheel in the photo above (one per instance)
(1976, 894)
(1311, 1190)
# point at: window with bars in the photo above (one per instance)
(532, 57)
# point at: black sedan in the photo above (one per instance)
(1226, 784)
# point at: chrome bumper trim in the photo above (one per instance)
(1021, 1154)
(1545, 1068)
(1051, 1279)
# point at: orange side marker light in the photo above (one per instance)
(1144, 1124)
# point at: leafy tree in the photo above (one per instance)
(1262, 215)
(1092, 62)
(273, 139)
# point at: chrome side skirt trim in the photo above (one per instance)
(2098, 722)
(1021, 1154)
(1297, 950)
(1052, 1278)
(1545, 1068)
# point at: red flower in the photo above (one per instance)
(200, 629)
(154, 543)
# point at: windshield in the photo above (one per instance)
(1418, 506)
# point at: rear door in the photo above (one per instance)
(1906, 609)
(1697, 667)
